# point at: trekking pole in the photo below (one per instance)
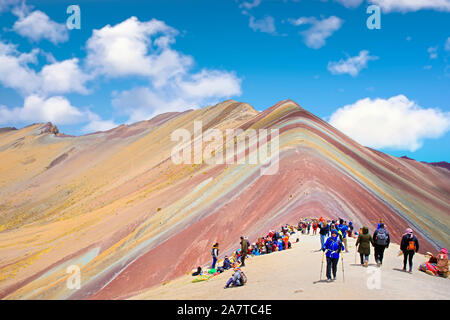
(343, 274)
(321, 267)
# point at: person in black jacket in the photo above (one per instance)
(324, 229)
(214, 254)
(409, 245)
(381, 241)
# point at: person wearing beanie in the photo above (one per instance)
(409, 246)
(333, 247)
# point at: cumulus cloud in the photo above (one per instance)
(135, 48)
(55, 78)
(37, 25)
(266, 24)
(64, 76)
(199, 89)
(412, 5)
(38, 109)
(96, 123)
(130, 49)
(351, 65)
(320, 29)
(396, 123)
(127, 49)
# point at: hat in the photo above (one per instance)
(444, 251)
(334, 231)
(408, 230)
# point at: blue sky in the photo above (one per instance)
(387, 88)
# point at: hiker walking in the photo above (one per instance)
(381, 241)
(314, 226)
(363, 244)
(343, 228)
(244, 250)
(350, 227)
(333, 247)
(324, 229)
(409, 245)
(214, 254)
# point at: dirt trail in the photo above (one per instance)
(295, 274)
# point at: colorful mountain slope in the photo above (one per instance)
(115, 204)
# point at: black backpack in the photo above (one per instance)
(381, 237)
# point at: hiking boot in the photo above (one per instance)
(378, 264)
(366, 264)
(404, 269)
(328, 280)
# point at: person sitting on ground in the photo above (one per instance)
(437, 265)
(226, 263)
(280, 245)
(237, 279)
(364, 241)
(255, 250)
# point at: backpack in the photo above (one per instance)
(382, 237)
(243, 277)
(411, 245)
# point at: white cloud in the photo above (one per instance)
(352, 65)
(249, 5)
(144, 49)
(412, 5)
(7, 4)
(37, 25)
(38, 109)
(350, 3)
(396, 123)
(58, 77)
(205, 87)
(267, 24)
(127, 49)
(447, 44)
(206, 84)
(64, 76)
(97, 124)
(320, 30)
(433, 52)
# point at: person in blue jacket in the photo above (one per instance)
(344, 229)
(280, 245)
(333, 247)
